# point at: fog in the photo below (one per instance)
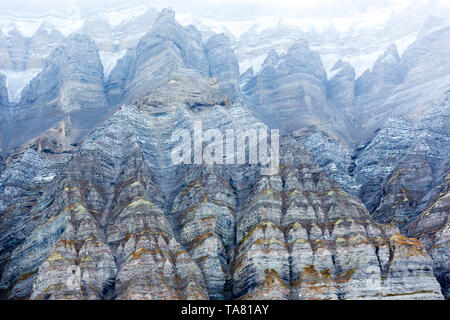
(226, 9)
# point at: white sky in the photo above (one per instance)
(228, 9)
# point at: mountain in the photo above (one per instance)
(69, 89)
(350, 204)
(290, 92)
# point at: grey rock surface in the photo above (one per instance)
(165, 48)
(128, 223)
(341, 87)
(93, 207)
(223, 65)
(290, 93)
(4, 103)
(69, 89)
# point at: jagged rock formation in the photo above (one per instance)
(313, 237)
(341, 87)
(223, 65)
(417, 164)
(432, 228)
(110, 229)
(100, 30)
(404, 86)
(413, 196)
(18, 52)
(3, 105)
(290, 93)
(386, 73)
(396, 135)
(332, 156)
(165, 48)
(246, 76)
(69, 88)
(92, 205)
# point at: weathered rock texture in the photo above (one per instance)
(19, 53)
(223, 65)
(70, 89)
(290, 93)
(93, 207)
(111, 225)
(3, 111)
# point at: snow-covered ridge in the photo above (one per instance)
(370, 21)
(358, 39)
(28, 25)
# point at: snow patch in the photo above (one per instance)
(16, 81)
(403, 43)
(255, 62)
(27, 26)
(118, 16)
(360, 62)
(109, 60)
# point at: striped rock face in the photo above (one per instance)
(119, 220)
(93, 205)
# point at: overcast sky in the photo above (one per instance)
(221, 8)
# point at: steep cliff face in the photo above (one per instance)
(399, 174)
(413, 196)
(166, 48)
(418, 169)
(223, 65)
(100, 30)
(92, 205)
(290, 93)
(308, 239)
(398, 121)
(341, 86)
(119, 220)
(405, 86)
(432, 228)
(70, 89)
(18, 52)
(3, 104)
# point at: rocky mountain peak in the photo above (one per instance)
(246, 76)
(297, 86)
(342, 69)
(271, 59)
(388, 62)
(88, 179)
(45, 28)
(71, 83)
(223, 65)
(341, 86)
(301, 46)
(98, 26)
(78, 55)
(166, 15)
(187, 39)
(300, 58)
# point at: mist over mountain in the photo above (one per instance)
(93, 92)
